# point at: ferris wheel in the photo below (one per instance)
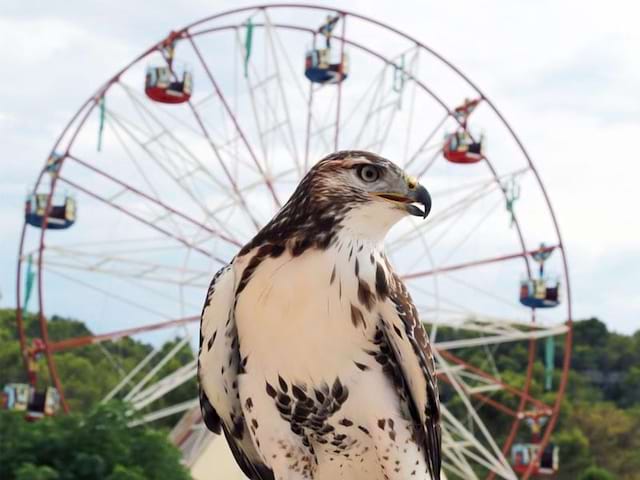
(180, 158)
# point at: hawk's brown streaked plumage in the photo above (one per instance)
(312, 358)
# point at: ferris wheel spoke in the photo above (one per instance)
(157, 202)
(470, 445)
(187, 155)
(307, 137)
(467, 234)
(374, 91)
(426, 144)
(475, 263)
(480, 183)
(110, 294)
(415, 65)
(450, 357)
(131, 246)
(486, 400)
(251, 187)
(178, 181)
(163, 386)
(487, 293)
(234, 120)
(140, 219)
(227, 173)
(448, 213)
(141, 276)
(339, 102)
(77, 342)
(137, 166)
(282, 95)
(506, 337)
(118, 266)
(490, 453)
(136, 391)
(165, 412)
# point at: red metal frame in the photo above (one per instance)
(184, 33)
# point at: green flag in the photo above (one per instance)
(549, 356)
(248, 41)
(30, 277)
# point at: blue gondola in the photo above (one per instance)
(62, 214)
(320, 69)
(543, 291)
(324, 65)
(540, 293)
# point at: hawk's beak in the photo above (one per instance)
(414, 193)
(419, 195)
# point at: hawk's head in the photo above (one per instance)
(355, 179)
(353, 191)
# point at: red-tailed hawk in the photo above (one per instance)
(313, 361)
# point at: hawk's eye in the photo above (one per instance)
(368, 173)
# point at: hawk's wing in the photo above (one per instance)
(219, 365)
(414, 358)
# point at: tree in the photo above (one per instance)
(95, 446)
(596, 473)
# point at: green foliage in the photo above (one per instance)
(94, 446)
(596, 473)
(29, 471)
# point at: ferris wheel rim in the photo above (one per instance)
(115, 78)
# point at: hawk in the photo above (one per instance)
(313, 361)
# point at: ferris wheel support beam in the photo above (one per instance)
(156, 201)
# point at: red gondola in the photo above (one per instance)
(164, 83)
(525, 455)
(458, 146)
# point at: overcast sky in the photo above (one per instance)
(566, 75)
